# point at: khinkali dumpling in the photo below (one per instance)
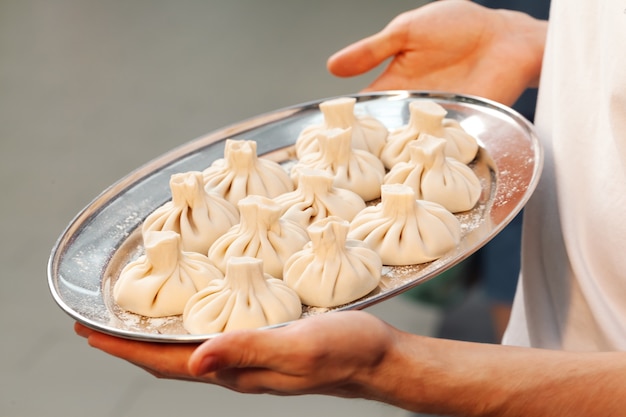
(241, 173)
(198, 216)
(426, 116)
(404, 230)
(261, 233)
(332, 270)
(246, 298)
(316, 198)
(435, 177)
(368, 133)
(160, 282)
(353, 169)
(459, 144)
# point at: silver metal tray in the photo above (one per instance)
(89, 255)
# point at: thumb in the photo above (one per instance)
(365, 55)
(234, 349)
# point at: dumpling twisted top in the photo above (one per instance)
(198, 216)
(368, 133)
(160, 282)
(261, 233)
(242, 173)
(353, 169)
(404, 230)
(436, 177)
(332, 270)
(246, 298)
(316, 197)
(426, 116)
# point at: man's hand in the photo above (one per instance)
(452, 45)
(334, 353)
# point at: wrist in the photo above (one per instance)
(532, 35)
(435, 376)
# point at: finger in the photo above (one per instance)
(388, 80)
(257, 381)
(165, 360)
(366, 54)
(236, 349)
(291, 349)
(82, 330)
(295, 349)
(266, 381)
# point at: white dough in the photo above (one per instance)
(198, 216)
(426, 116)
(160, 282)
(353, 169)
(460, 145)
(241, 173)
(435, 177)
(261, 233)
(404, 230)
(316, 198)
(368, 133)
(246, 298)
(332, 270)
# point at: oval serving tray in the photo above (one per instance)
(89, 255)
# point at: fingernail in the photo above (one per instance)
(207, 364)
(81, 330)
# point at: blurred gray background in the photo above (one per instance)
(90, 90)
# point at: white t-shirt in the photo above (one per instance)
(572, 293)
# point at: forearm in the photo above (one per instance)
(470, 379)
(353, 354)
